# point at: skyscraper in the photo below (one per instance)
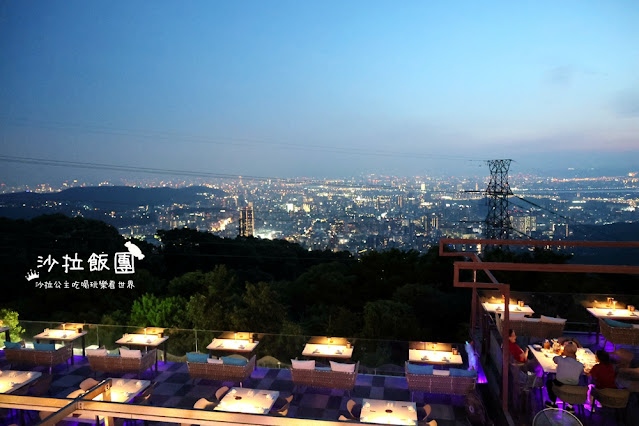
(247, 221)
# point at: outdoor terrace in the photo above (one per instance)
(381, 374)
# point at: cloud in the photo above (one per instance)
(626, 103)
(561, 75)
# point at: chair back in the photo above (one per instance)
(87, 384)
(572, 394)
(612, 398)
(204, 404)
(220, 393)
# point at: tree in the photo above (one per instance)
(10, 319)
(150, 310)
(387, 319)
(260, 310)
(217, 294)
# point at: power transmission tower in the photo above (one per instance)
(497, 220)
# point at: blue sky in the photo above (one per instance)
(326, 88)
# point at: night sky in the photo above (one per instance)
(318, 88)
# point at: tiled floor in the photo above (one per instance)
(176, 389)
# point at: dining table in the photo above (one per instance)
(545, 358)
(384, 412)
(249, 401)
(65, 335)
(122, 390)
(434, 357)
(145, 340)
(12, 380)
(495, 308)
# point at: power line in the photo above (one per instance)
(178, 137)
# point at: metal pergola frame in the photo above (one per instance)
(476, 264)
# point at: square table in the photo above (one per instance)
(434, 357)
(545, 358)
(388, 412)
(146, 340)
(327, 351)
(514, 309)
(63, 335)
(233, 345)
(245, 400)
(122, 390)
(12, 380)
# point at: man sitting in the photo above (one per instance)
(569, 370)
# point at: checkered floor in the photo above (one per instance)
(176, 389)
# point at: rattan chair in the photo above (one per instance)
(616, 399)
(619, 335)
(573, 395)
(423, 412)
(282, 411)
(87, 384)
(220, 393)
(354, 409)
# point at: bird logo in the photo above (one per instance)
(134, 250)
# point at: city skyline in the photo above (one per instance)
(325, 90)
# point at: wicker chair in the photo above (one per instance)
(221, 372)
(325, 378)
(573, 395)
(33, 357)
(448, 385)
(611, 398)
(119, 364)
(619, 335)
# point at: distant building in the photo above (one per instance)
(247, 221)
(524, 224)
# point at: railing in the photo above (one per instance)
(376, 357)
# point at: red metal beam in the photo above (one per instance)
(539, 243)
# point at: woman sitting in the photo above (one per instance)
(603, 373)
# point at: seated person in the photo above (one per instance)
(518, 354)
(569, 370)
(562, 341)
(603, 373)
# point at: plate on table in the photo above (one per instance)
(537, 347)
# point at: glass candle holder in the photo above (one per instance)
(521, 303)
(609, 301)
(631, 308)
(455, 351)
